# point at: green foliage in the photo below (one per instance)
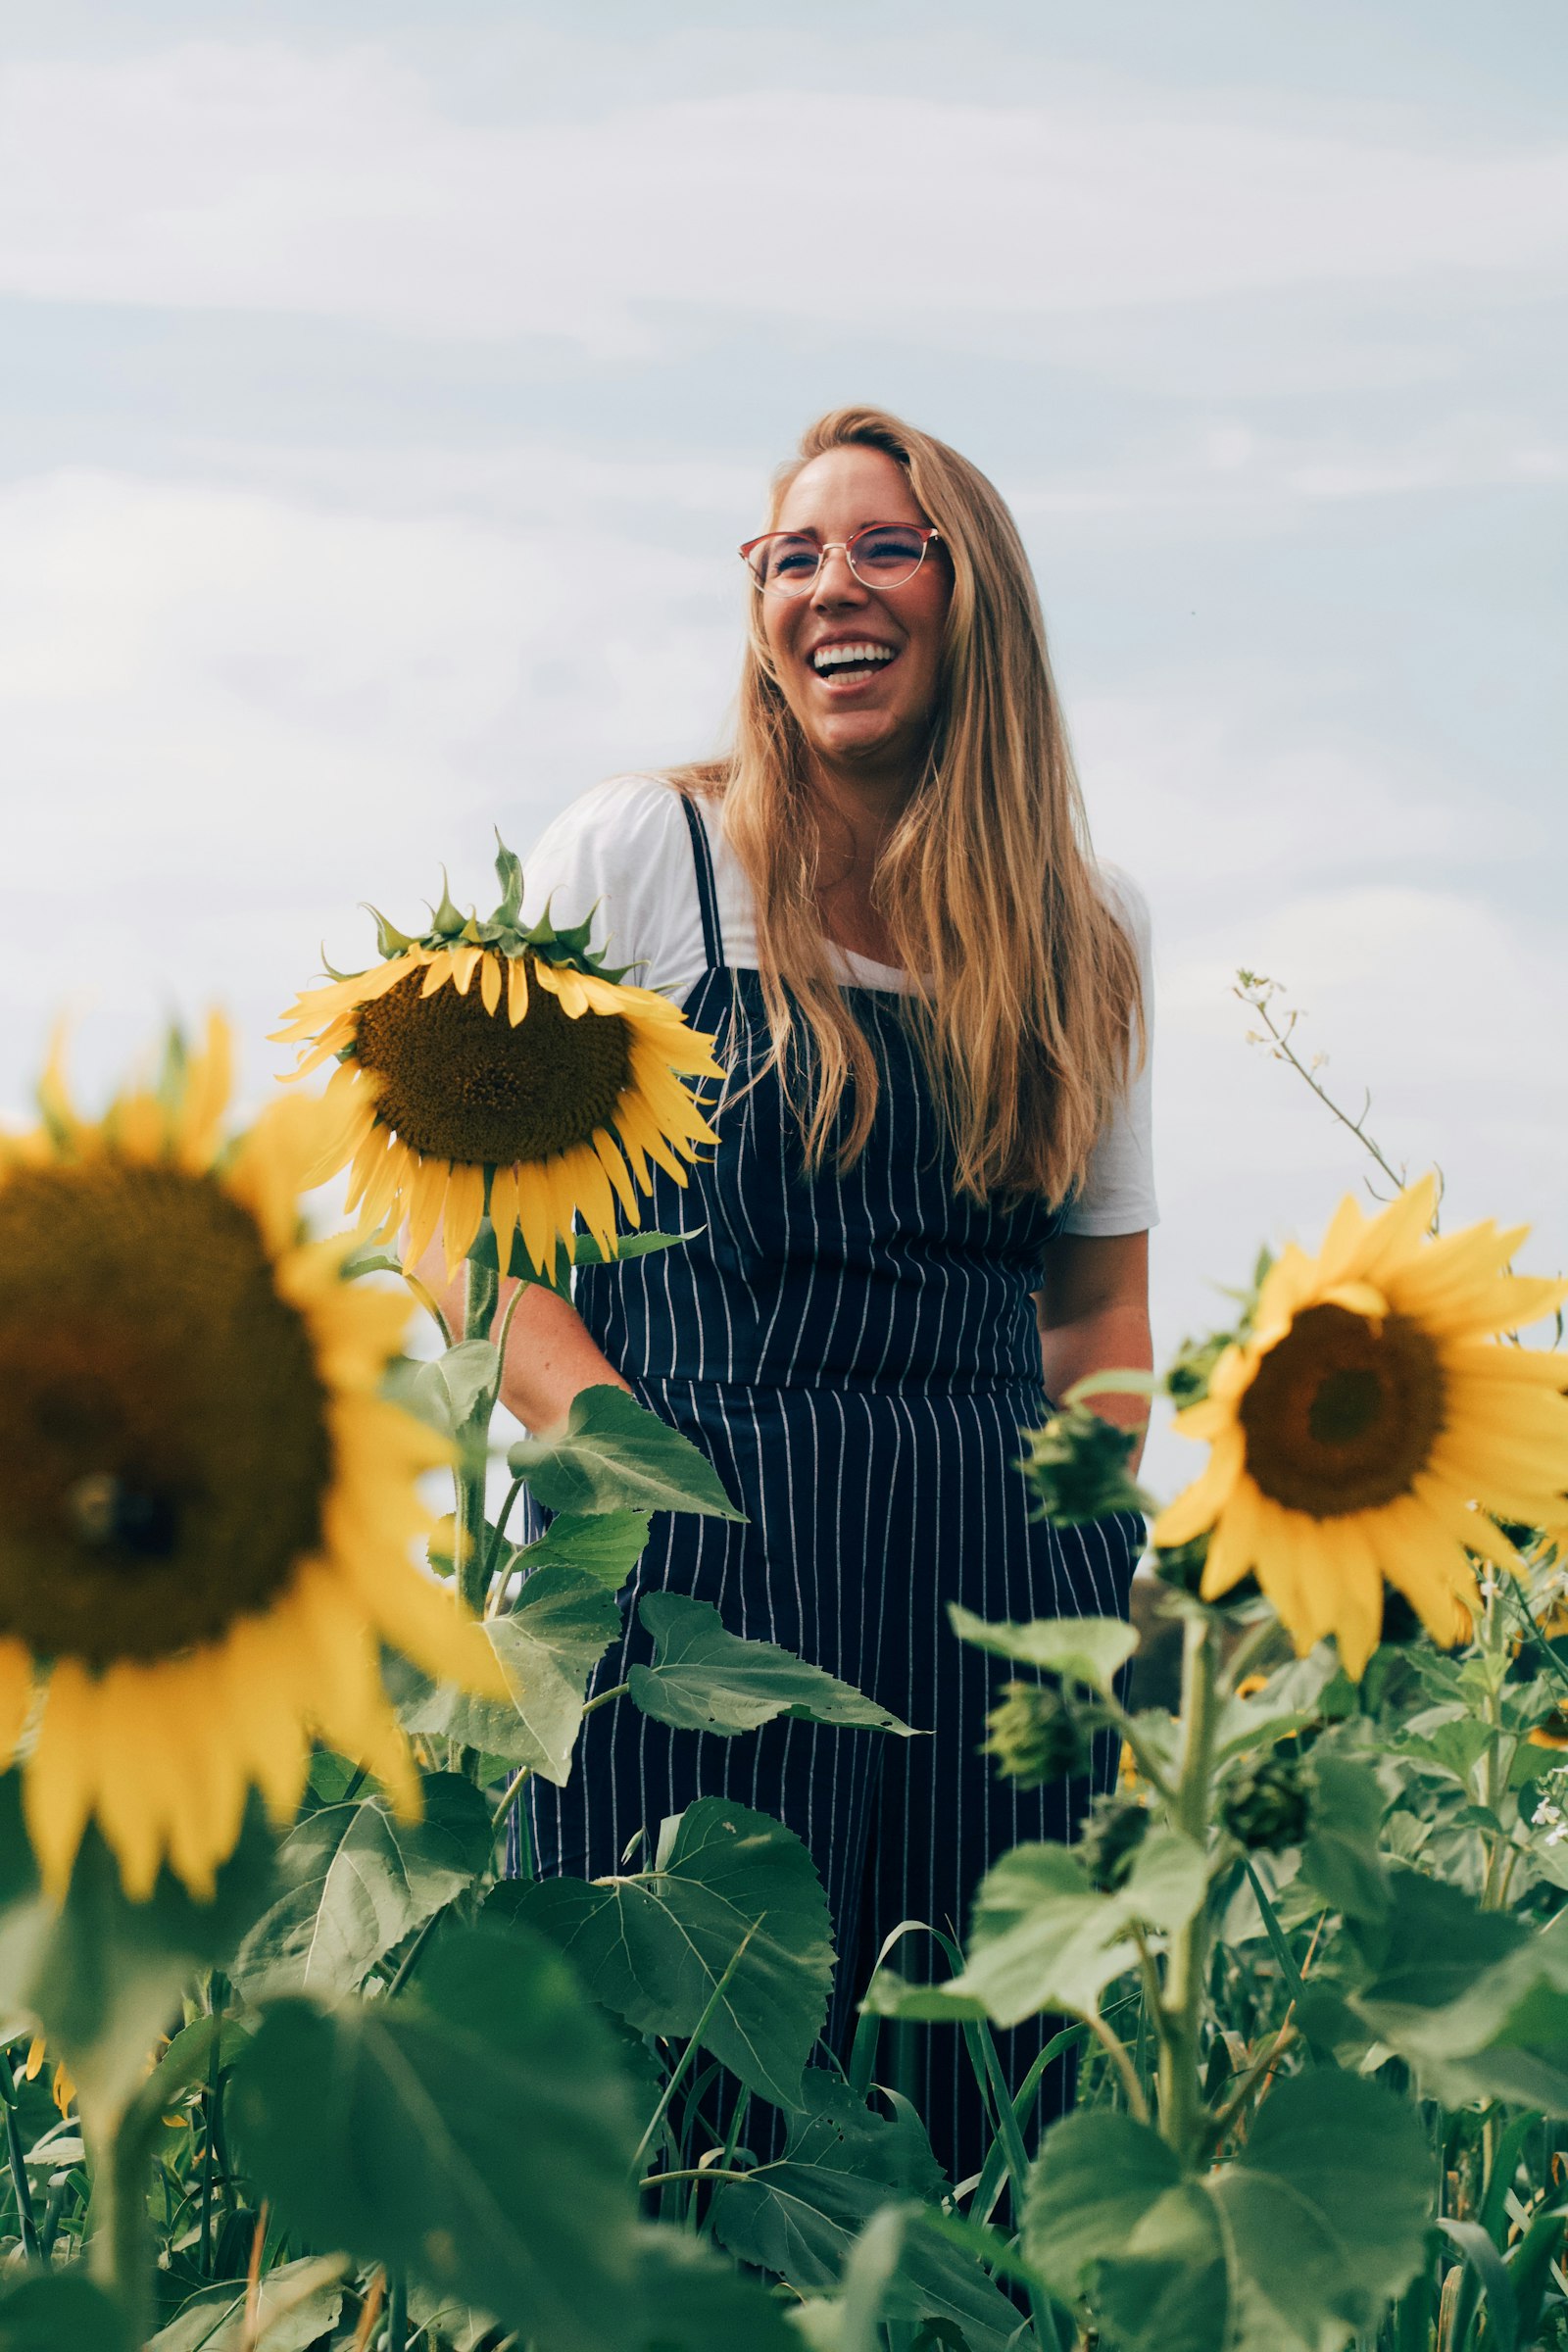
(478, 2131)
(295, 2306)
(58, 2312)
(606, 1545)
(1037, 1735)
(1045, 1937)
(1077, 1466)
(101, 1973)
(1091, 1651)
(613, 1455)
(727, 1937)
(1322, 2218)
(842, 2163)
(357, 1882)
(548, 1644)
(704, 1679)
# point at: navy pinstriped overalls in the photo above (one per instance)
(858, 1357)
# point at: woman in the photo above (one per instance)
(932, 1011)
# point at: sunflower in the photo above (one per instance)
(1371, 1424)
(486, 1069)
(206, 1507)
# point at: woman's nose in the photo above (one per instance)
(836, 583)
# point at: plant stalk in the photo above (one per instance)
(1182, 2115)
(17, 2158)
(119, 2255)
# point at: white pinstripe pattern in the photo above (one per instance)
(859, 1360)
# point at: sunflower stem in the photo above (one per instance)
(481, 1285)
(16, 2157)
(1179, 2017)
(119, 2255)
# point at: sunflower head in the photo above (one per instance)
(485, 1068)
(1372, 1426)
(206, 1507)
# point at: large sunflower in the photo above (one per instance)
(1371, 1423)
(488, 1069)
(206, 1507)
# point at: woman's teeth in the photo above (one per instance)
(853, 660)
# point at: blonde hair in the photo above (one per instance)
(1023, 986)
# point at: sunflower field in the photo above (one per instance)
(298, 2052)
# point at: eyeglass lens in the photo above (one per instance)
(884, 555)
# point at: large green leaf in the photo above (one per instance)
(548, 1645)
(1044, 1937)
(295, 2306)
(359, 1881)
(695, 2301)
(1304, 2239)
(1085, 1650)
(802, 2215)
(59, 2311)
(478, 2133)
(656, 1947)
(1341, 1858)
(614, 1455)
(704, 1679)
(446, 1391)
(606, 1545)
(100, 1973)
(1475, 2000)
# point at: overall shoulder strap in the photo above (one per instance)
(707, 889)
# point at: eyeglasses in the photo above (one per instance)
(881, 555)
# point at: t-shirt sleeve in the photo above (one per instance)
(1118, 1187)
(619, 858)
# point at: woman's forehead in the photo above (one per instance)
(845, 488)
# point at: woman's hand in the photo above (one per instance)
(1094, 1318)
(549, 1356)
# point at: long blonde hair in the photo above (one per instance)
(1023, 987)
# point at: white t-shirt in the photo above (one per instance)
(621, 852)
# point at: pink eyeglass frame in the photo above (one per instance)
(925, 532)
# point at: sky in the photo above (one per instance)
(384, 391)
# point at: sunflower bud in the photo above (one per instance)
(1267, 1807)
(1037, 1735)
(1111, 1837)
(1077, 1465)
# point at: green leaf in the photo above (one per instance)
(1045, 1937)
(656, 1946)
(1307, 2237)
(548, 1645)
(59, 2311)
(360, 1881)
(705, 1679)
(802, 2215)
(295, 2305)
(1341, 1858)
(447, 1390)
(692, 2300)
(1475, 2000)
(100, 1973)
(587, 1253)
(605, 1544)
(477, 2133)
(614, 1455)
(1091, 1651)
(1478, 2251)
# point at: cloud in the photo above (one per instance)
(230, 715)
(260, 177)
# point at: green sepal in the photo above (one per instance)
(446, 920)
(389, 940)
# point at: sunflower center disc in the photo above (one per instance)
(460, 1083)
(1343, 1412)
(164, 1448)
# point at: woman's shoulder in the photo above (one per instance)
(619, 858)
(1127, 902)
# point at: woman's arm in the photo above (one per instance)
(1094, 1318)
(549, 1356)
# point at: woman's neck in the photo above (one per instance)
(856, 813)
